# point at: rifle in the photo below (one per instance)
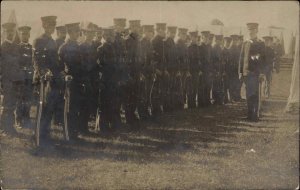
(40, 111)
(67, 109)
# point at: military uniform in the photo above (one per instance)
(158, 61)
(110, 93)
(269, 64)
(70, 55)
(251, 63)
(226, 58)
(206, 82)
(12, 78)
(132, 46)
(181, 70)
(146, 69)
(169, 88)
(196, 72)
(46, 64)
(27, 65)
(234, 82)
(218, 66)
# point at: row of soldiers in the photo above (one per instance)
(141, 71)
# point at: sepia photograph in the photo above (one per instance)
(149, 95)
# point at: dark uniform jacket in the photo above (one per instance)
(170, 54)
(158, 52)
(132, 45)
(146, 55)
(10, 62)
(59, 42)
(205, 58)
(217, 60)
(270, 58)
(252, 58)
(235, 52)
(194, 58)
(226, 58)
(182, 56)
(45, 56)
(26, 60)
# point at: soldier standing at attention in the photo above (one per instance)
(12, 79)
(181, 68)
(109, 101)
(47, 70)
(27, 66)
(205, 60)
(269, 64)
(234, 82)
(158, 61)
(90, 74)
(195, 72)
(251, 63)
(132, 45)
(97, 42)
(226, 57)
(59, 108)
(218, 65)
(70, 55)
(169, 88)
(146, 70)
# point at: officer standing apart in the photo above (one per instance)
(47, 71)
(251, 64)
(270, 64)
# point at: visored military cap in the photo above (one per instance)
(161, 26)
(268, 38)
(252, 25)
(134, 23)
(182, 30)
(90, 27)
(9, 25)
(148, 28)
(219, 37)
(108, 30)
(193, 33)
(24, 29)
(205, 33)
(172, 29)
(120, 22)
(49, 19)
(73, 26)
(235, 37)
(211, 36)
(61, 28)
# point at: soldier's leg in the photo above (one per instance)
(155, 97)
(20, 104)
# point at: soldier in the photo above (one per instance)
(61, 35)
(59, 108)
(226, 57)
(168, 85)
(97, 42)
(218, 65)
(269, 63)
(47, 71)
(132, 60)
(158, 61)
(90, 71)
(205, 60)
(70, 55)
(181, 68)
(195, 71)
(234, 82)
(251, 63)
(146, 70)
(12, 79)
(110, 95)
(27, 65)
(120, 53)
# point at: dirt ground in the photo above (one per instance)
(207, 148)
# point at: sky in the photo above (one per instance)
(193, 15)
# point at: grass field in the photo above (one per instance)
(207, 148)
